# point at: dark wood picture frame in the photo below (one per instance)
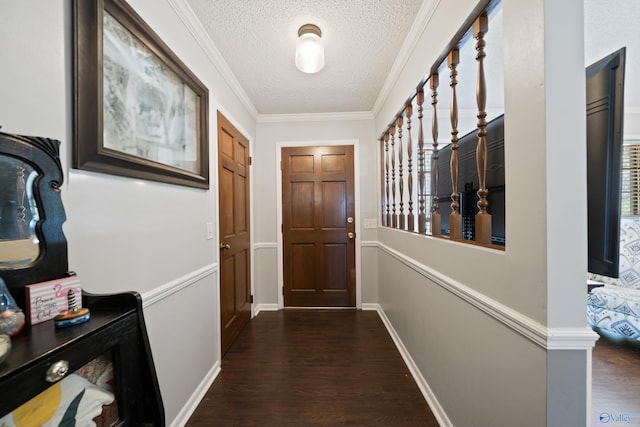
(89, 151)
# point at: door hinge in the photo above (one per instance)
(250, 160)
(282, 228)
(283, 290)
(251, 299)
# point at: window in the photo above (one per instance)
(630, 197)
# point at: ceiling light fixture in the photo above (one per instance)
(309, 49)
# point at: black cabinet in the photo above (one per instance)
(117, 328)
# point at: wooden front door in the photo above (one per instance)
(233, 202)
(318, 225)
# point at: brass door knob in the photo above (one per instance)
(224, 246)
(351, 235)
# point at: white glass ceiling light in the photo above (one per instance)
(309, 49)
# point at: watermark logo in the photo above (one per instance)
(617, 418)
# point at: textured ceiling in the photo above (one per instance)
(257, 39)
(362, 39)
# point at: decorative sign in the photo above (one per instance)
(47, 299)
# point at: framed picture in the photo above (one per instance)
(138, 110)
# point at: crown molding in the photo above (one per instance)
(408, 46)
(194, 26)
(314, 117)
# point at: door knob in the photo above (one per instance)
(224, 246)
(350, 220)
(350, 235)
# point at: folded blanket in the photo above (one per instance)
(74, 401)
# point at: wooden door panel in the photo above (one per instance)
(227, 299)
(241, 217)
(243, 292)
(225, 142)
(301, 164)
(335, 266)
(235, 278)
(303, 266)
(319, 256)
(334, 208)
(333, 163)
(226, 203)
(302, 196)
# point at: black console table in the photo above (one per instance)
(116, 327)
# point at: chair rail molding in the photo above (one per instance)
(161, 292)
(578, 338)
(265, 245)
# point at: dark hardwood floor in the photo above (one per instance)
(616, 382)
(314, 367)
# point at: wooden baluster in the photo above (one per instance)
(386, 164)
(401, 219)
(422, 219)
(394, 216)
(455, 219)
(383, 185)
(436, 220)
(411, 226)
(483, 218)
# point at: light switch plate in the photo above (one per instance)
(209, 230)
(370, 223)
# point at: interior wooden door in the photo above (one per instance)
(235, 277)
(318, 226)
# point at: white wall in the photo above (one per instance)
(127, 234)
(483, 325)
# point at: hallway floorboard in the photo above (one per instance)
(616, 382)
(314, 367)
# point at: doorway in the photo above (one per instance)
(318, 226)
(234, 232)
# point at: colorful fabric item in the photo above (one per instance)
(77, 402)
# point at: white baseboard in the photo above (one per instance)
(189, 408)
(430, 397)
(264, 307)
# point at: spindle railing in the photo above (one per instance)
(422, 217)
(400, 178)
(387, 187)
(411, 221)
(394, 215)
(436, 222)
(425, 198)
(483, 219)
(455, 219)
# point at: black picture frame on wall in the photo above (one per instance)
(138, 110)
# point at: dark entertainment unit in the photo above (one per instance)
(605, 110)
